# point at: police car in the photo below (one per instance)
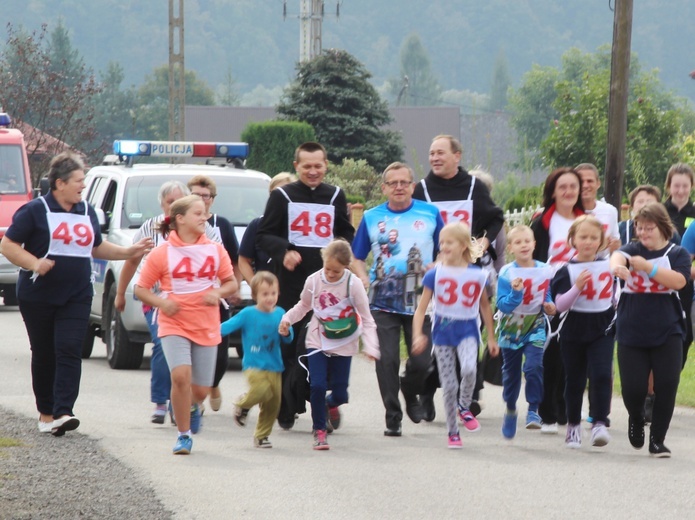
(124, 195)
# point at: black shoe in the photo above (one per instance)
(427, 407)
(475, 408)
(393, 430)
(658, 450)
(635, 432)
(286, 423)
(648, 408)
(413, 409)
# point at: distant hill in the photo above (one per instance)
(463, 37)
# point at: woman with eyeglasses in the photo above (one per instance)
(650, 323)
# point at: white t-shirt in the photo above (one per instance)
(608, 216)
(559, 251)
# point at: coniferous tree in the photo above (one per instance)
(333, 94)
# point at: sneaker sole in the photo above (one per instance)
(158, 419)
(183, 451)
(599, 443)
(67, 426)
(472, 430)
(455, 447)
(660, 455)
(572, 445)
(323, 447)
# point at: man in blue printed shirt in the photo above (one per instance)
(395, 283)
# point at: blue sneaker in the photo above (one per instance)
(509, 424)
(533, 421)
(196, 418)
(183, 445)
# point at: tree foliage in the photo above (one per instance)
(580, 132)
(115, 112)
(273, 143)
(48, 87)
(152, 116)
(417, 84)
(333, 94)
(359, 180)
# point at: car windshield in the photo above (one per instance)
(12, 179)
(239, 200)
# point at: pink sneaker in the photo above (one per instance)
(455, 441)
(469, 421)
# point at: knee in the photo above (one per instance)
(180, 378)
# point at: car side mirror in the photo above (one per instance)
(103, 220)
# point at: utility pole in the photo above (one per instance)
(311, 14)
(177, 74)
(310, 20)
(617, 102)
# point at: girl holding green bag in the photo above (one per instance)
(341, 315)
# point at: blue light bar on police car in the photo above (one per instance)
(5, 119)
(180, 149)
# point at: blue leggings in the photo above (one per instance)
(327, 372)
(160, 378)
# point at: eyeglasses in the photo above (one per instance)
(394, 184)
(204, 196)
(649, 229)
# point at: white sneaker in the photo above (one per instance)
(573, 440)
(549, 428)
(45, 427)
(599, 435)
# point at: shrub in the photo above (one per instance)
(272, 144)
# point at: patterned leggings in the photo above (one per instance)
(467, 354)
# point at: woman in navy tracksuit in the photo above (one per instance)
(52, 240)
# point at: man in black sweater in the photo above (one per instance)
(459, 197)
(299, 219)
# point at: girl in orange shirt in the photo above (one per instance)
(188, 267)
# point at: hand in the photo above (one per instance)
(119, 302)
(140, 248)
(169, 307)
(639, 263)
(369, 356)
(582, 279)
(284, 328)
(292, 260)
(549, 308)
(211, 298)
(43, 265)
(517, 284)
(419, 344)
(235, 299)
(493, 347)
(622, 272)
(613, 244)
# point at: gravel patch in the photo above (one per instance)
(66, 477)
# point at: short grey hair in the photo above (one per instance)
(397, 166)
(169, 186)
(62, 166)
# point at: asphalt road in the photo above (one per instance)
(364, 475)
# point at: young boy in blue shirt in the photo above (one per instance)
(523, 296)
(262, 361)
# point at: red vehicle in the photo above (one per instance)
(15, 191)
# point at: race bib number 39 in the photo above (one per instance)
(457, 292)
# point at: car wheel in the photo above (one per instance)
(88, 344)
(121, 353)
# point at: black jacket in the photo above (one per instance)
(272, 235)
(683, 218)
(488, 219)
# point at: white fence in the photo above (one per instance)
(523, 216)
